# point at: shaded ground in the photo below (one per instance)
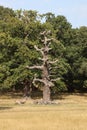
(8, 101)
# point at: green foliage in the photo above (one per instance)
(83, 68)
(85, 84)
(5, 13)
(60, 86)
(20, 31)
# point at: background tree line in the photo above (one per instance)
(20, 31)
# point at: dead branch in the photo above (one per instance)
(45, 67)
(46, 32)
(47, 49)
(44, 81)
(37, 48)
(40, 50)
(46, 40)
(43, 33)
(34, 67)
(53, 62)
(44, 59)
(53, 80)
(39, 80)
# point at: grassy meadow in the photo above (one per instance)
(69, 114)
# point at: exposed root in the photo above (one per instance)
(23, 101)
(42, 102)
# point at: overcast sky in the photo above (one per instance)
(74, 10)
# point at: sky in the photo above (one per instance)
(74, 10)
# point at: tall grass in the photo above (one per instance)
(69, 114)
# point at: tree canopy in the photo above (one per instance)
(20, 32)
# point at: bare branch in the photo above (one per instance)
(37, 48)
(53, 62)
(55, 79)
(39, 80)
(50, 84)
(42, 41)
(46, 40)
(47, 49)
(34, 83)
(43, 33)
(49, 40)
(46, 32)
(49, 44)
(43, 59)
(40, 50)
(44, 81)
(34, 67)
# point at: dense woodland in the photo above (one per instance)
(20, 32)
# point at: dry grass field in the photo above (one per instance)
(69, 114)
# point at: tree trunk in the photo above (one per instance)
(26, 91)
(46, 88)
(44, 67)
(46, 94)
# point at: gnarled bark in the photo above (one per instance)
(46, 81)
